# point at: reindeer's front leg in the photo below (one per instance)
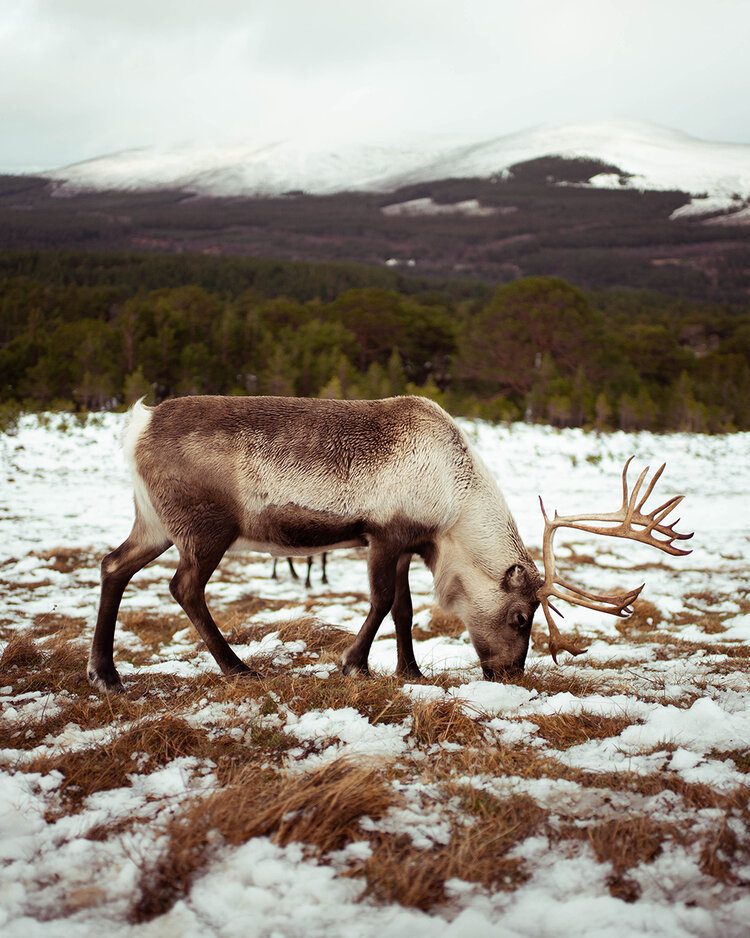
(382, 563)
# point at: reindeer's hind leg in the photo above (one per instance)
(381, 564)
(118, 568)
(406, 664)
(199, 558)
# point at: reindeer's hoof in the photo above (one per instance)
(105, 679)
(411, 673)
(354, 668)
(241, 670)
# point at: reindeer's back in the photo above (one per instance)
(354, 459)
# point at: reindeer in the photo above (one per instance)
(294, 477)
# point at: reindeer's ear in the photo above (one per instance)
(515, 578)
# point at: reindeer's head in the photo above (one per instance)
(501, 637)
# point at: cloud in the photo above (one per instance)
(78, 78)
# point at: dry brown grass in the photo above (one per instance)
(150, 744)
(540, 638)
(326, 641)
(444, 721)
(68, 559)
(154, 630)
(64, 628)
(548, 678)
(625, 843)
(246, 606)
(441, 623)
(57, 665)
(477, 852)
(316, 635)
(723, 856)
(740, 757)
(646, 617)
(321, 808)
(20, 654)
(380, 699)
(563, 730)
(710, 622)
(496, 761)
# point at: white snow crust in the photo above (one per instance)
(654, 157)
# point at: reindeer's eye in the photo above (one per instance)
(521, 620)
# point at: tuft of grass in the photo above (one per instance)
(154, 630)
(722, 855)
(68, 559)
(21, 653)
(444, 721)
(646, 617)
(441, 623)
(496, 761)
(563, 730)
(547, 678)
(625, 843)
(477, 852)
(63, 628)
(150, 744)
(321, 808)
(58, 665)
(381, 699)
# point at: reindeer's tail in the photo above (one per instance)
(139, 418)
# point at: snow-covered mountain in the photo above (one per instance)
(654, 157)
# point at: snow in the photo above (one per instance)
(354, 735)
(655, 157)
(428, 206)
(64, 488)
(708, 205)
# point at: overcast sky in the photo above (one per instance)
(79, 78)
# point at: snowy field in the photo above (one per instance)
(604, 796)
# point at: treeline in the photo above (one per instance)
(87, 331)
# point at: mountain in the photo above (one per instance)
(643, 156)
(605, 205)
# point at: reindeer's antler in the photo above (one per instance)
(629, 522)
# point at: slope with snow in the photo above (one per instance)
(653, 157)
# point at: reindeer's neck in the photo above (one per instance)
(479, 547)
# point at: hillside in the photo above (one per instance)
(645, 156)
(497, 230)
(605, 205)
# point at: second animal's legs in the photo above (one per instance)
(406, 663)
(291, 568)
(381, 564)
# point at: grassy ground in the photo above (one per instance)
(445, 793)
